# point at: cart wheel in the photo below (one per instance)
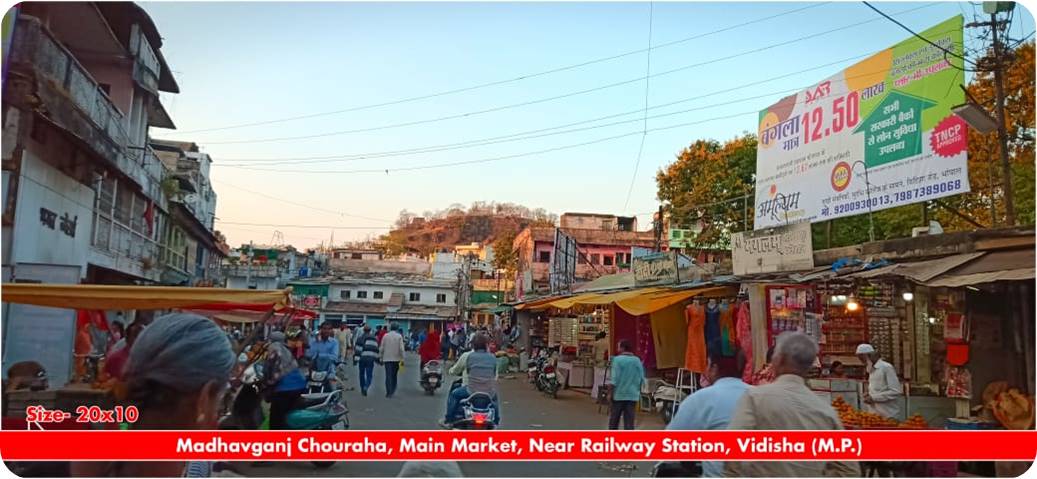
(667, 413)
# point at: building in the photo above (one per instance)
(194, 256)
(82, 189)
(604, 249)
(413, 301)
(267, 267)
(356, 254)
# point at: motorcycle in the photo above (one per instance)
(547, 380)
(479, 412)
(431, 376)
(314, 410)
(667, 398)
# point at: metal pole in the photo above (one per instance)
(1002, 133)
(867, 191)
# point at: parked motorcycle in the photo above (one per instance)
(432, 376)
(667, 398)
(478, 411)
(547, 380)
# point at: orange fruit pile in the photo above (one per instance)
(852, 418)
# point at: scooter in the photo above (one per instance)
(478, 410)
(667, 398)
(432, 376)
(547, 380)
(313, 411)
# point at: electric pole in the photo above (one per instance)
(1002, 132)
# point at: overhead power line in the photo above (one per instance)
(304, 205)
(336, 227)
(644, 130)
(926, 40)
(556, 97)
(494, 139)
(506, 81)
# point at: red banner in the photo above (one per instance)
(926, 445)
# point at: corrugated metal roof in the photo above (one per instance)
(920, 271)
(959, 280)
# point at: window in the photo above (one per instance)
(414, 297)
(355, 256)
(545, 257)
(344, 294)
(377, 295)
(441, 298)
(361, 295)
(608, 260)
(595, 258)
(619, 258)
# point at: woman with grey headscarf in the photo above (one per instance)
(177, 376)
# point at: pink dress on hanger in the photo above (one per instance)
(743, 331)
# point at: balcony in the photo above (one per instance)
(74, 101)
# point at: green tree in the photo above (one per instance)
(504, 255)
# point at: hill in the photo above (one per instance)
(481, 223)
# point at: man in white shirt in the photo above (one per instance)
(345, 344)
(391, 351)
(884, 390)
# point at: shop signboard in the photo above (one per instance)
(876, 135)
(783, 248)
(656, 269)
(563, 263)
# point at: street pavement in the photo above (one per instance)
(523, 408)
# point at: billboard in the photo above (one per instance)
(656, 269)
(885, 122)
(563, 263)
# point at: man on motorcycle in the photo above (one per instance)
(324, 351)
(284, 382)
(478, 370)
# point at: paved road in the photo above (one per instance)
(523, 408)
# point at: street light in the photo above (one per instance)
(867, 190)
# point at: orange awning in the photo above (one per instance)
(106, 297)
(638, 301)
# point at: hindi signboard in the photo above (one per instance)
(782, 248)
(655, 269)
(876, 135)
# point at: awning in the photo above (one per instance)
(535, 303)
(1014, 265)
(639, 301)
(920, 271)
(231, 318)
(107, 297)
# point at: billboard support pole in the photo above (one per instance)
(867, 190)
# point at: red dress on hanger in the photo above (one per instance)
(695, 351)
(743, 330)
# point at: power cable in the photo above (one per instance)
(506, 81)
(493, 140)
(308, 206)
(574, 130)
(272, 225)
(556, 97)
(644, 129)
(926, 40)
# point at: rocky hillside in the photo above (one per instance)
(481, 223)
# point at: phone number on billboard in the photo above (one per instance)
(899, 197)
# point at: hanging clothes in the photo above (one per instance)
(713, 329)
(695, 351)
(743, 328)
(727, 330)
(645, 345)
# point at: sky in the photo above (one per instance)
(378, 84)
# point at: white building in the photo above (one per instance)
(412, 301)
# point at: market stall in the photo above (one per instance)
(89, 385)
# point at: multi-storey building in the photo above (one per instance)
(604, 247)
(82, 188)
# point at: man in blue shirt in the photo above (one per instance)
(324, 351)
(627, 376)
(710, 408)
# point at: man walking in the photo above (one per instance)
(787, 404)
(627, 376)
(345, 343)
(367, 346)
(710, 409)
(391, 351)
(883, 394)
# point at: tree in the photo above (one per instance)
(707, 186)
(504, 255)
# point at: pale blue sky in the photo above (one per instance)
(248, 62)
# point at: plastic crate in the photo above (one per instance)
(969, 425)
